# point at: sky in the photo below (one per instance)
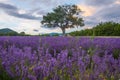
(25, 15)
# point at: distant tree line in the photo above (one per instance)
(14, 34)
(9, 34)
(102, 29)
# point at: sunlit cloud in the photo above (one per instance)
(117, 2)
(87, 10)
(21, 11)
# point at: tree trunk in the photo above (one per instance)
(63, 31)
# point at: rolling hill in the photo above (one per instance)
(7, 31)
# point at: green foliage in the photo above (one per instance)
(102, 29)
(44, 35)
(3, 74)
(9, 34)
(107, 29)
(65, 16)
(22, 33)
(116, 53)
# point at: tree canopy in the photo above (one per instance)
(102, 29)
(65, 16)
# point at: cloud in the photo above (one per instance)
(99, 2)
(90, 21)
(4, 1)
(87, 10)
(7, 21)
(104, 14)
(117, 2)
(49, 3)
(22, 11)
(7, 6)
(24, 16)
(35, 30)
(110, 13)
(14, 11)
(28, 26)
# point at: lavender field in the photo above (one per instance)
(59, 58)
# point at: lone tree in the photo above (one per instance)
(65, 16)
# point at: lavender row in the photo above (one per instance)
(60, 58)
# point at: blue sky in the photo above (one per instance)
(25, 15)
